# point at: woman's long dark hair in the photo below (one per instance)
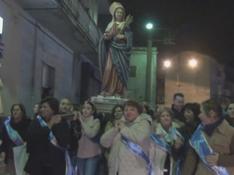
(93, 108)
(112, 117)
(22, 108)
(195, 108)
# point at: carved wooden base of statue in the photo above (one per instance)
(104, 104)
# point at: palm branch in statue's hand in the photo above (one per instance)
(128, 21)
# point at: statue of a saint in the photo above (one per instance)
(114, 52)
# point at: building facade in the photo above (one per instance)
(137, 84)
(50, 48)
(198, 84)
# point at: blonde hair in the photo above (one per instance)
(164, 109)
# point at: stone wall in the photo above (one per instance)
(27, 47)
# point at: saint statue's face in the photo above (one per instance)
(119, 14)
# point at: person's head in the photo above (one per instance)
(88, 109)
(119, 14)
(117, 11)
(165, 117)
(49, 107)
(18, 112)
(211, 111)
(230, 110)
(65, 105)
(36, 108)
(178, 101)
(132, 110)
(117, 112)
(191, 112)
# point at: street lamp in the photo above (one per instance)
(167, 64)
(148, 89)
(192, 63)
(149, 26)
(1, 44)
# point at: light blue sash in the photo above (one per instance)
(161, 142)
(136, 149)
(201, 146)
(70, 170)
(13, 134)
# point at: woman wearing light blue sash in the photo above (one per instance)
(166, 139)
(14, 134)
(212, 144)
(191, 112)
(129, 143)
(48, 140)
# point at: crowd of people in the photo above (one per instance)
(185, 139)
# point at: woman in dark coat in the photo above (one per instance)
(191, 112)
(48, 141)
(14, 134)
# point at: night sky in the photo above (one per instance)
(205, 26)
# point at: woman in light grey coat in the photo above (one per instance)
(135, 127)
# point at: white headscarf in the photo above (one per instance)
(113, 7)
